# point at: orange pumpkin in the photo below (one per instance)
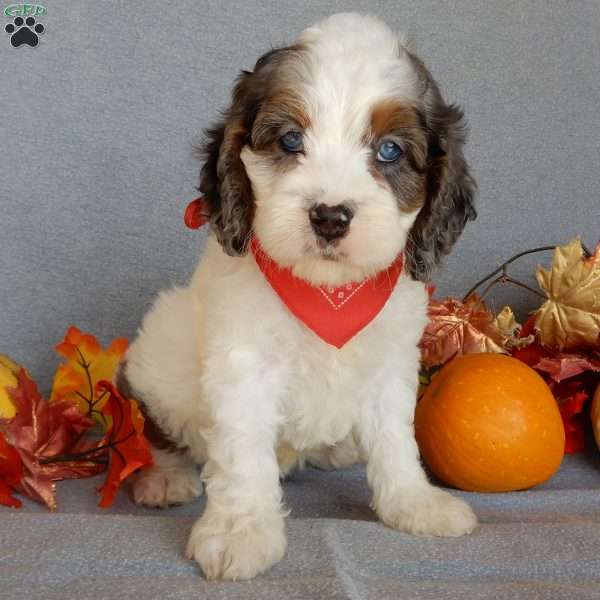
(489, 423)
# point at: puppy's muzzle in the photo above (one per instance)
(330, 222)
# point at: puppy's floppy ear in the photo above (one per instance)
(223, 179)
(451, 190)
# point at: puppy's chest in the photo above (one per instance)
(325, 389)
(319, 389)
(320, 399)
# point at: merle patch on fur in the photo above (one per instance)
(450, 194)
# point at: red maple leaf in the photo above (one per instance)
(562, 366)
(128, 449)
(45, 436)
(530, 354)
(571, 411)
(528, 327)
(11, 473)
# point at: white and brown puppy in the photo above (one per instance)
(338, 154)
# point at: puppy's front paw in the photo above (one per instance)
(160, 487)
(236, 547)
(430, 512)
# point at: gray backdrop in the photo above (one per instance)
(98, 123)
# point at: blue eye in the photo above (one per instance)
(291, 141)
(388, 152)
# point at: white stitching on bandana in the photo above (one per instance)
(327, 296)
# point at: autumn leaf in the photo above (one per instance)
(563, 366)
(86, 364)
(571, 399)
(510, 330)
(11, 473)
(457, 328)
(532, 353)
(128, 448)
(9, 370)
(571, 315)
(47, 438)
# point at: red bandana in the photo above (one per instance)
(335, 314)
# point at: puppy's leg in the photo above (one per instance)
(402, 496)
(241, 532)
(172, 479)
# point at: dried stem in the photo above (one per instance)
(111, 444)
(86, 368)
(100, 460)
(506, 278)
(88, 454)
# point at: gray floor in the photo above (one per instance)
(543, 543)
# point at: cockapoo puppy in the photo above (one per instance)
(337, 164)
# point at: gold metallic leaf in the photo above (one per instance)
(571, 315)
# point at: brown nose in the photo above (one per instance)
(330, 222)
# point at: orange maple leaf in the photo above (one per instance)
(128, 449)
(87, 364)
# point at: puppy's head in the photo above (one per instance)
(338, 153)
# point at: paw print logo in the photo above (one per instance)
(24, 31)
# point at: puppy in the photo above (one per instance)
(337, 165)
